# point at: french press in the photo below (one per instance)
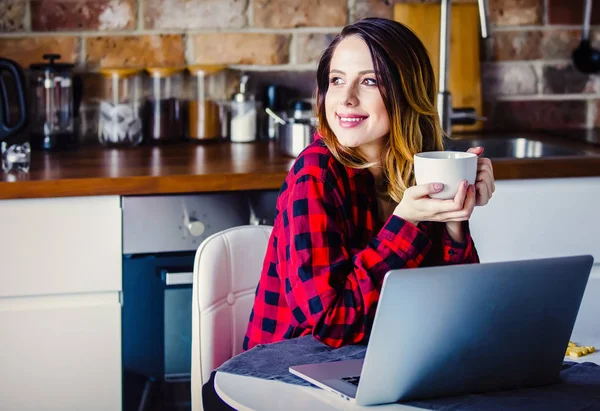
(56, 95)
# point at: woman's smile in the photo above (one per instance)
(350, 120)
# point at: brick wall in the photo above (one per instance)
(528, 81)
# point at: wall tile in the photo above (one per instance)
(515, 12)
(570, 12)
(559, 44)
(241, 48)
(195, 14)
(372, 8)
(532, 115)
(28, 50)
(565, 79)
(134, 51)
(12, 15)
(295, 84)
(508, 80)
(501, 76)
(57, 15)
(309, 47)
(293, 13)
(427, 1)
(516, 45)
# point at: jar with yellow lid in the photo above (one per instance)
(121, 105)
(164, 111)
(207, 95)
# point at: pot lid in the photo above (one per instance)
(163, 71)
(206, 68)
(119, 71)
(51, 64)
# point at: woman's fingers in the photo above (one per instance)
(485, 165)
(424, 190)
(476, 150)
(485, 178)
(464, 213)
(434, 206)
(461, 194)
(483, 193)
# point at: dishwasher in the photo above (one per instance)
(160, 237)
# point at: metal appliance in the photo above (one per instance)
(296, 129)
(160, 238)
(448, 114)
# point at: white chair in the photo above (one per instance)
(226, 272)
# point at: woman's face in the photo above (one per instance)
(353, 105)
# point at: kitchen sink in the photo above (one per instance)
(520, 147)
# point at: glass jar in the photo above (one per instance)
(164, 114)
(207, 116)
(120, 121)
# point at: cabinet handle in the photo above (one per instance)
(183, 278)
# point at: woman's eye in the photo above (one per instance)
(336, 81)
(370, 82)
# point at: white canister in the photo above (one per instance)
(244, 113)
(243, 122)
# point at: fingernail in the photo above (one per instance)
(472, 188)
(465, 183)
(438, 186)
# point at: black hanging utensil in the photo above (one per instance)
(586, 58)
(11, 71)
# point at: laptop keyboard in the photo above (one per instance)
(352, 380)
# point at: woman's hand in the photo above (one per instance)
(417, 206)
(484, 182)
(484, 187)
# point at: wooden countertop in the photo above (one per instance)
(190, 167)
(180, 168)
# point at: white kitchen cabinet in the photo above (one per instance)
(587, 326)
(60, 308)
(60, 245)
(538, 219)
(60, 353)
(545, 218)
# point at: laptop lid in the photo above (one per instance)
(471, 328)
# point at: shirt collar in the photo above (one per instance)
(351, 171)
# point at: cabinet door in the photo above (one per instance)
(539, 219)
(60, 246)
(60, 353)
(587, 326)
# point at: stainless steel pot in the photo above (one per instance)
(294, 137)
(294, 134)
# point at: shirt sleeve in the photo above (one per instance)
(331, 289)
(459, 253)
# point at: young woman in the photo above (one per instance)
(349, 209)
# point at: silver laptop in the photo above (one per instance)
(451, 330)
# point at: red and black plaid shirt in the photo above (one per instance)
(329, 252)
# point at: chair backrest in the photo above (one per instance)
(226, 272)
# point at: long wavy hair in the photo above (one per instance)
(406, 81)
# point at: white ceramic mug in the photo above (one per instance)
(448, 167)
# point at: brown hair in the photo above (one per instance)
(406, 81)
